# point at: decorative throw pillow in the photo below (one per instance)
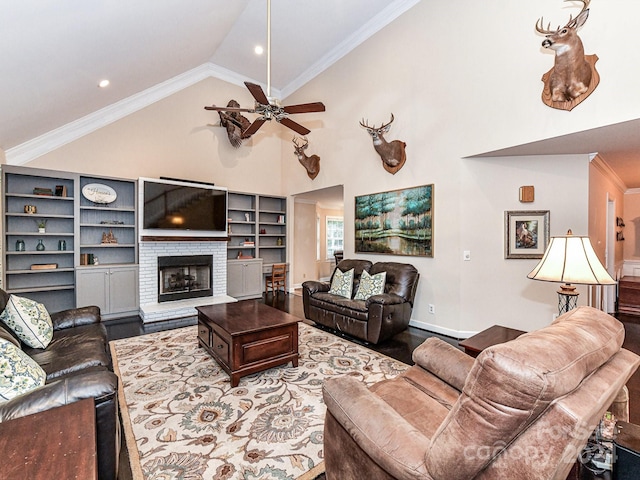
(29, 320)
(370, 285)
(19, 373)
(342, 283)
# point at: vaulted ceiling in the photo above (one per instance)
(55, 53)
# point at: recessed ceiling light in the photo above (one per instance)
(103, 83)
(259, 50)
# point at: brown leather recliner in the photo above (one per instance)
(522, 409)
(373, 320)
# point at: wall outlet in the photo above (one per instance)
(432, 309)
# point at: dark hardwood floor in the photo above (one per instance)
(399, 347)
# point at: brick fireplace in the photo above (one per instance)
(151, 310)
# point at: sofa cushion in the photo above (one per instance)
(19, 374)
(370, 285)
(402, 278)
(29, 320)
(72, 350)
(342, 283)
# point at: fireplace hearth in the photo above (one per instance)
(185, 276)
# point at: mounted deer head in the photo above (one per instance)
(571, 73)
(393, 153)
(312, 163)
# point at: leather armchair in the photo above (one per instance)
(521, 409)
(78, 366)
(373, 320)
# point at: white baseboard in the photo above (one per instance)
(459, 334)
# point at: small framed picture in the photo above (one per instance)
(526, 233)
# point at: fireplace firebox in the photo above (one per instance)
(182, 277)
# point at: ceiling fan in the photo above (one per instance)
(267, 107)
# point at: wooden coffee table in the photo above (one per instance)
(487, 338)
(247, 337)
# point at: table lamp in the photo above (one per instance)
(570, 259)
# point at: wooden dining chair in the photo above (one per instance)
(277, 279)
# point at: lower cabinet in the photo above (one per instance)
(244, 278)
(113, 289)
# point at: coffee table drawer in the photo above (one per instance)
(260, 346)
(204, 334)
(220, 347)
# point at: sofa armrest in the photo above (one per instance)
(314, 286)
(444, 360)
(385, 299)
(97, 384)
(377, 428)
(75, 317)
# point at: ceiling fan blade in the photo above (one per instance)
(229, 109)
(305, 108)
(296, 127)
(257, 92)
(253, 128)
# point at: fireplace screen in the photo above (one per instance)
(184, 277)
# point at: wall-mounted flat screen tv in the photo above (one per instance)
(181, 208)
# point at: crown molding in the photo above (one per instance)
(632, 191)
(45, 143)
(608, 172)
(377, 23)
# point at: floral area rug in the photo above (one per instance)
(183, 420)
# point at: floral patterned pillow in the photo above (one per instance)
(370, 285)
(342, 283)
(29, 320)
(19, 373)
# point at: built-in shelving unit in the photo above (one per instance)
(48, 275)
(242, 225)
(117, 218)
(272, 238)
(76, 229)
(257, 229)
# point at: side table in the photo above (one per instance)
(56, 443)
(487, 338)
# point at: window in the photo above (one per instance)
(335, 235)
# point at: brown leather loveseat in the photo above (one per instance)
(373, 320)
(77, 366)
(522, 409)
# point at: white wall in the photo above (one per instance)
(462, 78)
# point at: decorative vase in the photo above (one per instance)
(41, 230)
(20, 246)
(40, 246)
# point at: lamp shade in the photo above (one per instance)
(571, 259)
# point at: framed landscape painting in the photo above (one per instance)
(399, 222)
(526, 233)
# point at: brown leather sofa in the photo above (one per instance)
(522, 409)
(373, 320)
(78, 366)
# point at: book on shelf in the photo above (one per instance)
(44, 266)
(42, 191)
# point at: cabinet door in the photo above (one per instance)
(123, 289)
(92, 288)
(235, 279)
(253, 278)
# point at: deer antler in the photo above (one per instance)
(364, 123)
(585, 6)
(571, 23)
(306, 142)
